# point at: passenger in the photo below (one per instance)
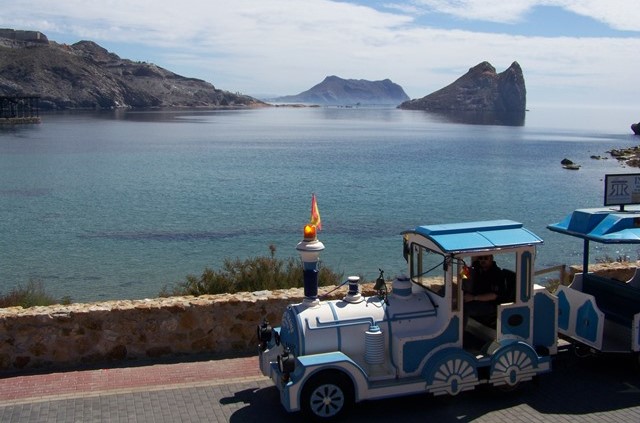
(481, 290)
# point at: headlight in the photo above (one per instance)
(264, 334)
(286, 364)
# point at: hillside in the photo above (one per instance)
(481, 89)
(86, 76)
(337, 91)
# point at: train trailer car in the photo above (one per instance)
(595, 311)
(434, 332)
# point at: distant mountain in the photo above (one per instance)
(86, 76)
(337, 91)
(479, 90)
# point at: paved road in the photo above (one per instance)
(605, 389)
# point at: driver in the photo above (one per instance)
(482, 288)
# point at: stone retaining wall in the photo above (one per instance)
(622, 271)
(95, 333)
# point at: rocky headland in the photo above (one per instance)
(84, 75)
(481, 89)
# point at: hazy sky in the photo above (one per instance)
(584, 52)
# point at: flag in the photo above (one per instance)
(315, 213)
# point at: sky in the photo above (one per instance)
(572, 52)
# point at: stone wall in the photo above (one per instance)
(622, 271)
(109, 332)
(21, 35)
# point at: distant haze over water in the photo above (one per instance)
(119, 204)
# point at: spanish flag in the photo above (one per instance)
(315, 213)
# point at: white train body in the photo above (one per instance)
(328, 354)
(372, 331)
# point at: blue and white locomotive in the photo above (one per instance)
(328, 355)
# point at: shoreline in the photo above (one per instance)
(630, 155)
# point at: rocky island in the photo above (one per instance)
(336, 91)
(481, 89)
(86, 76)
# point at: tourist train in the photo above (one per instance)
(421, 336)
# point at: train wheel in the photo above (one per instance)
(327, 396)
(509, 388)
(511, 366)
(452, 375)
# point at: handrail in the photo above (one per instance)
(561, 269)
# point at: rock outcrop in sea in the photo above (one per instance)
(629, 156)
(86, 76)
(334, 90)
(479, 90)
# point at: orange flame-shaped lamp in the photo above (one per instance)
(310, 233)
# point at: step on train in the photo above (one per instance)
(432, 332)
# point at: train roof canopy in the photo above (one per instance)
(604, 225)
(477, 236)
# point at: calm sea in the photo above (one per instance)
(119, 204)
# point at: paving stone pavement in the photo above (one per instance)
(602, 389)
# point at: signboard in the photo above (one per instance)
(623, 189)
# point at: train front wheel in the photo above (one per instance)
(327, 396)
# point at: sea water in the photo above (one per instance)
(120, 204)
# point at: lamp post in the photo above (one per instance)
(309, 249)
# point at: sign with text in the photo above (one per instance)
(623, 189)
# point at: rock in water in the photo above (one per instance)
(479, 90)
(338, 91)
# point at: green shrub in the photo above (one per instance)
(253, 274)
(552, 285)
(29, 296)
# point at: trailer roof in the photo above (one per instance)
(477, 236)
(603, 225)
